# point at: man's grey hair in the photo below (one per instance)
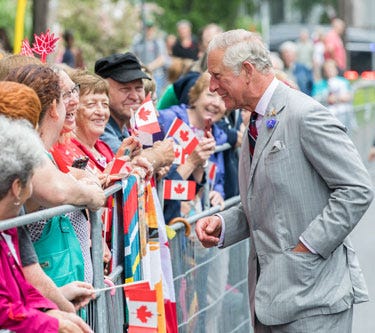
(241, 45)
(21, 152)
(288, 46)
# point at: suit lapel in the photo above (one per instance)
(244, 162)
(275, 107)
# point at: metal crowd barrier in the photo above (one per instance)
(210, 284)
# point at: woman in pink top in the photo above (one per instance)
(22, 307)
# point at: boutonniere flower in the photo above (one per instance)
(270, 123)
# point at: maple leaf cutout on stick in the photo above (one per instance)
(143, 114)
(143, 314)
(44, 44)
(184, 135)
(179, 189)
(26, 48)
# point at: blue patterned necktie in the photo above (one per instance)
(252, 133)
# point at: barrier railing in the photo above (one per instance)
(210, 284)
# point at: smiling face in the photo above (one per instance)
(209, 105)
(125, 97)
(71, 102)
(92, 116)
(223, 81)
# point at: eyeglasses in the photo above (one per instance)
(73, 92)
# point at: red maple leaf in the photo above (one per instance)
(184, 135)
(143, 114)
(143, 314)
(26, 49)
(179, 188)
(176, 153)
(44, 44)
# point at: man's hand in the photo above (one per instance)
(300, 247)
(79, 293)
(208, 230)
(160, 154)
(96, 193)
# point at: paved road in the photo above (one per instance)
(363, 238)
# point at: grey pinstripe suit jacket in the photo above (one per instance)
(306, 179)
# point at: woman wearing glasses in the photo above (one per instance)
(46, 84)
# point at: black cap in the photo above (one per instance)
(124, 67)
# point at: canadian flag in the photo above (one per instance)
(179, 154)
(145, 117)
(212, 168)
(118, 166)
(179, 189)
(142, 307)
(184, 135)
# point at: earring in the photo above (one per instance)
(17, 203)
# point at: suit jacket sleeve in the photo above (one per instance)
(333, 155)
(236, 225)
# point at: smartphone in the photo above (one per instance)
(80, 162)
(207, 126)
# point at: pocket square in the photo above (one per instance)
(277, 146)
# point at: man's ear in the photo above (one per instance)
(249, 70)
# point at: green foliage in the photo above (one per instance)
(247, 22)
(8, 15)
(200, 13)
(100, 27)
(305, 7)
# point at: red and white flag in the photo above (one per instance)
(170, 309)
(212, 168)
(146, 119)
(184, 135)
(142, 307)
(118, 166)
(179, 154)
(179, 189)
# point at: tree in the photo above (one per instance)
(8, 16)
(100, 27)
(305, 7)
(40, 15)
(199, 13)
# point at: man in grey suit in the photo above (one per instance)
(303, 190)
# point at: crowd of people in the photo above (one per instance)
(63, 127)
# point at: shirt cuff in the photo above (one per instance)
(221, 239)
(303, 241)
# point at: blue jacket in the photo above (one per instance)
(166, 118)
(230, 125)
